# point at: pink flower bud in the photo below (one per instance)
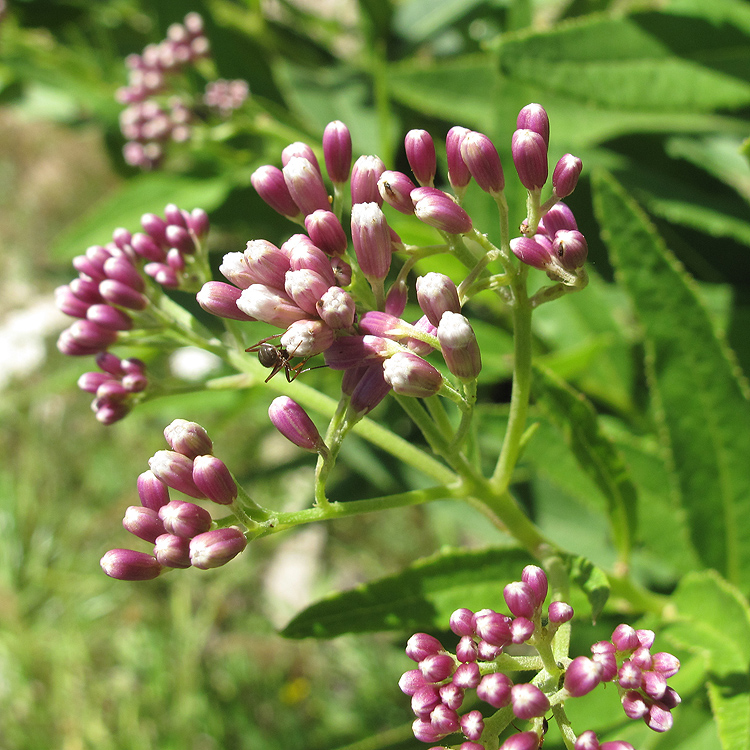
(521, 629)
(269, 305)
(146, 247)
(326, 232)
(108, 317)
(395, 189)
(337, 150)
(420, 153)
(659, 719)
(424, 731)
(616, 745)
(337, 308)
(495, 689)
(472, 725)
(214, 480)
(570, 248)
(342, 271)
(128, 565)
(68, 303)
(624, 638)
(188, 438)
(424, 700)
(184, 519)
(421, 645)
(666, 664)
(270, 185)
(172, 551)
(646, 637)
(180, 239)
(634, 705)
(90, 381)
(298, 148)
(117, 293)
(461, 622)
(493, 627)
(86, 290)
(467, 650)
(371, 239)
(382, 324)
(216, 547)
(198, 223)
(439, 210)
(143, 523)
(436, 294)
(459, 175)
(265, 263)
(305, 185)
(305, 288)
(410, 375)
(521, 741)
(358, 351)
(557, 218)
(152, 492)
(370, 389)
(533, 251)
(292, 421)
(530, 158)
(481, 157)
(607, 663)
(92, 336)
(422, 348)
(565, 175)
(365, 175)
(176, 471)
(304, 256)
(467, 675)
(305, 338)
(528, 701)
(156, 227)
(460, 348)
(220, 299)
(437, 667)
(560, 612)
(587, 741)
(451, 695)
(536, 579)
(411, 681)
(533, 117)
(582, 676)
(444, 719)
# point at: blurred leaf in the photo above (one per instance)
(701, 408)
(591, 580)
(421, 597)
(147, 193)
(418, 20)
(576, 419)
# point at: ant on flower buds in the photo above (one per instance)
(276, 358)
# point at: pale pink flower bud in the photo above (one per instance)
(184, 518)
(624, 638)
(410, 375)
(521, 629)
(520, 599)
(424, 731)
(365, 175)
(128, 565)
(395, 189)
(533, 117)
(214, 480)
(299, 148)
(270, 185)
(444, 719)
(481, 157)
(616, 745)
(411, 681)
(439, 210)
(607, 665)
(565, 175)
(326, 232)
(269, 305)
(337, 150)
(462, 622)
(495, 689)
(654, 685)
(172, 551)
(421, 645)
(467, 650)
(143, 523)
(666, 664)
(305, 338)
(467, 675)
(371, 239)
(560, 612)
(304, 256)
(420, 153)
(424, 701)
(176, 471)
(493, 627)
(90, 381)
(292, 421)
(459, 175)
(216, 547)
(437, 667)
(305, 185)
(382, 324)
(337, 308)
(220, 299)
(659, 719)
(530, 158)
(646, 637)
(188, 438)
(634, 705)
(582, 676)
(436, 294)
(472, 725)
(266, 264)
(460, 348)
(587, 741)
(521, 741)
(528, 701)
(641, 657)
(305, 288)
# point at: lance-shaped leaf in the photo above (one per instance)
(700, 406)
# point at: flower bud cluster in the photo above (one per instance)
(226, 96)
(144, 123)
(110, 288)
(179, 530)
(114, 386)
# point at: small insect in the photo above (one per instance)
(276, 358)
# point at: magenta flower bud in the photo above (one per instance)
(495, 689)
(420, 153)
(422, 348)
(304, 338)
(587, 741)
(305, 288)
(439, 210)
(671, 698)
(530, 158)
(666, 664)
(437, 667)
(521, 630)
(382, 324)
(451, 695)
(292, 421)
(411, 681)
(90, 381)
(298, 148)
(68, 303)
(106, 316)
(482, 160)
(304, 256)
(342, 271)
(358, 351)
(521, 741)
(198, 223)
(654, 685)
(269, 305)
(557, 218)
(214, 480)
(462, 622)
(371, 239)
(659, 719)
(152, 492)
(162, 273)
(565, 175)
(472, 725)
(305, 185)
(467, 675)
(68, 345)
(371, 388)
(460, 348)
(425, 732)
(128, 565)
(607, 665)
(616, 745)
(467, 746)
(570, 247)
(444, 719)
(143, 522)
(217, 547)
(602, 647)
(336, 308)
(424, 700)
(266, 263)
(85, 290)
(646, 637)
(110, 391)
(624, 638)
(559, 612)
(172, 551)
(270, 185)
(121, 237)
(422, 645)
(337, 151)
(326, 232)
(582, 676)
(493, 627)
(180, 239)
(220, 299)
(188, 438)
(365, 175)
(634, 705)
(459, 175)
(528, 701)
(410, 375)
(436, 294)
(156, 227)
(91, 335)
(395, 189)
(120, 294)
(176, 471)
(641, 657)
(146, 247)
(536, 579)
(396, 298)
(533, 117)
(533, 251)
(184, 519)
(467, 650)
(84, 265)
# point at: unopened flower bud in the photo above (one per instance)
(179, 238)
(217, 547)
(219, 298)
(459, 346)
(570, 248)
(424, 731)
(129, 565)
(521, 741)
(467, 651)
(472, 725)
(521, 629)
(305, 338)
(305, 288)
(365, 175)
(659, 719)
(582, 676)
(624, 638)
(299, 148)
(336, 308)
(481, 157)
(269, 305)
(411, 681)
(565, 175)
(337, 150)
(533, 251)
(424, 701)
(439, 210)
(292, 421)
(172, 551)
(467, 675)
(462, 622)
(421, 645)
(410, 375)
(444, 719)
(143, 523)
(666, 664)
(347, 352)
(528, 701)
(530, 158)
(198, 223)
(634, 705)
(495, 689)
(176, 471)
(437, 667)
(108, 317)
(270, 185)
(587, 741)
(370, 389)
(459, 175)
(436, 294)
(420, 153)
(493, 627)
(560, 612)
(304, 256)
(371, 239)
(184, 518)
(326, 232)
(534, 117)
(117, 293)
(395, 189)
(305, 185)
(214, 480)
(188, 438)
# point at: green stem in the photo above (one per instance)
(326, 461)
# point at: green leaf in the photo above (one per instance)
(591, 580)
(421, 597)
(418, 20)
(143, 194)
(730, 703)
(701, 409)
(597, 455)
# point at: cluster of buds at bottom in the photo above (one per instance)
(114, 386)
(484, 661)
(226, 96)
(181, 531)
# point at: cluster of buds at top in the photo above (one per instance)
(226, 96)
(144, 123)
(179, 530)
(483, 662)
(111, 289)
